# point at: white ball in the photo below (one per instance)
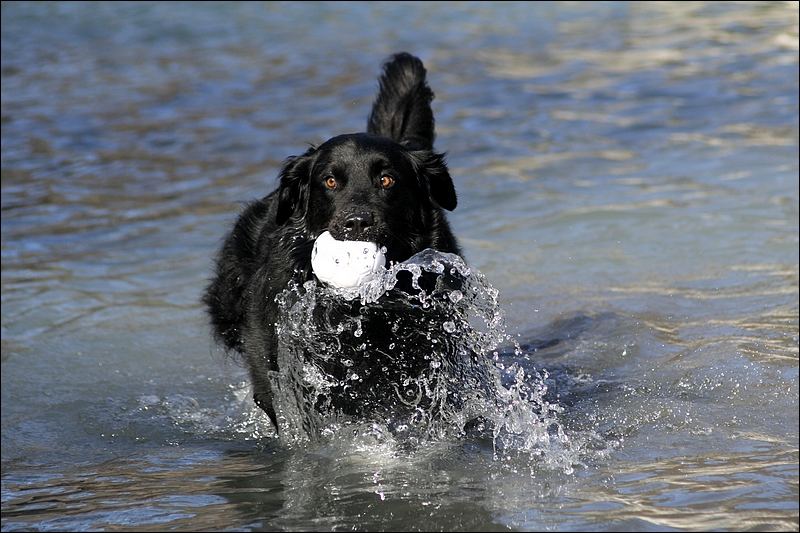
(346, 264)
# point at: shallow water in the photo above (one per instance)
(627, 179)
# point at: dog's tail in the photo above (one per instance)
(402, 110)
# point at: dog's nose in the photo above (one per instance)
(358, 222)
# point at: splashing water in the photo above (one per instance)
(410, 357)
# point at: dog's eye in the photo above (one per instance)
(386, 182)
(330, 182)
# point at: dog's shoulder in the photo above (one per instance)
(246, 248)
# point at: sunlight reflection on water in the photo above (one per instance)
(627, 179)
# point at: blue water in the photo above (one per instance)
(628, 181)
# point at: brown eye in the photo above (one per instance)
(330, 182)
(387, 181)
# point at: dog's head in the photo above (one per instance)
(387, 185)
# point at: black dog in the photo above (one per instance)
(386, 186)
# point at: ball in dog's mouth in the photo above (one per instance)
(346, 264)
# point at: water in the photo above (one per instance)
(440, 375)
(627, 179)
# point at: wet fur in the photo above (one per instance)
(271, 242)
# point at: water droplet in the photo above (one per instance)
(455, 296)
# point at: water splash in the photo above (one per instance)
(410, 358)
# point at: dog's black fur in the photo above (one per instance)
(339, 186)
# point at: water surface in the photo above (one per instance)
(627, 180)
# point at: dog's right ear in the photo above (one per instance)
(293, 189)
(402, 111)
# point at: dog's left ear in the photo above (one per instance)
(434, 177)
(294, 183)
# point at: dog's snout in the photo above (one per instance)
(358, 222)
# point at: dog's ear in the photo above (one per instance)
(294, 183)
(402, 111)
(434, 177)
